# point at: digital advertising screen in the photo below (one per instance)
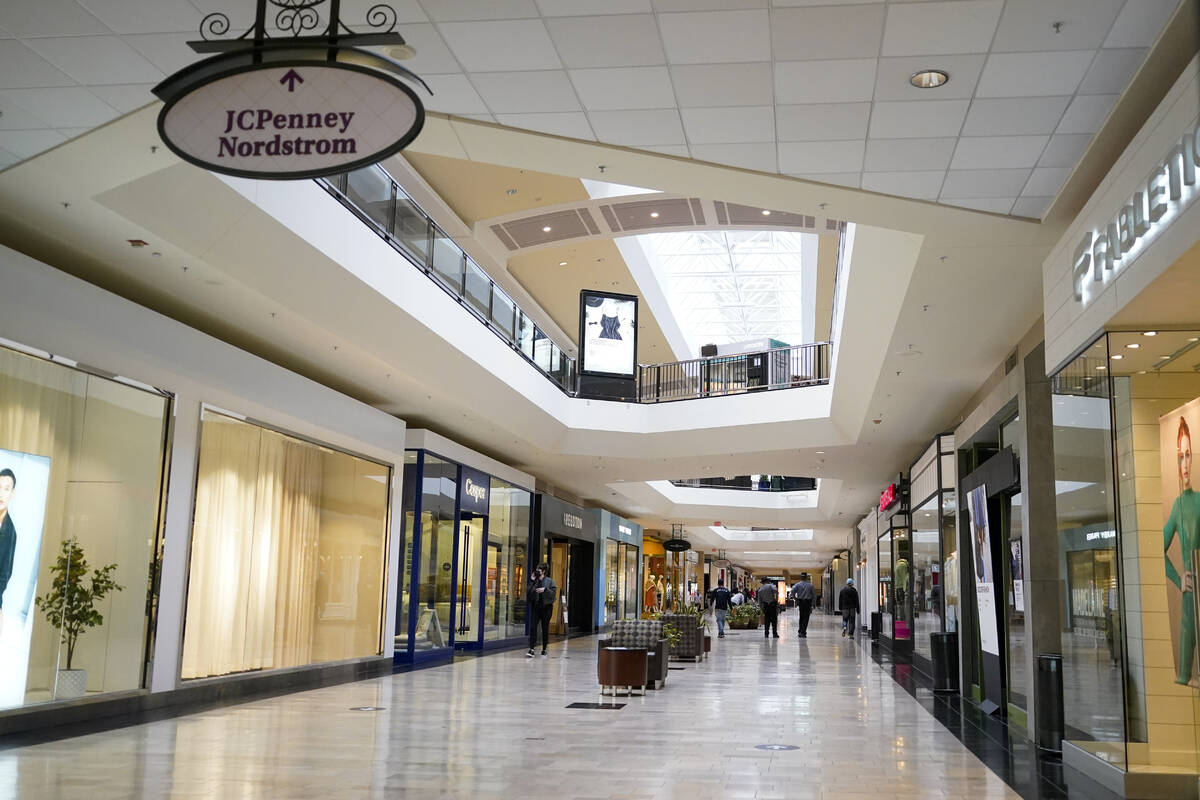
(608, 333)
(985, 577)
(1181, 534)
(24, 484)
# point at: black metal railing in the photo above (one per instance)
(715, 376)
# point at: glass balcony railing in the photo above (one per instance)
(375, 197)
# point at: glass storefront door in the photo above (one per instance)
(629, 610)
(560, 556)
(472, 533)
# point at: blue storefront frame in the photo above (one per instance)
(413, 500)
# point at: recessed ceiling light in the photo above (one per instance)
(562, 263)
(1163, 358)
(766, 212)
(1133, 346)
(1117, 357)
(820, 452)
(654, 215)
(1101, 366)
(1194, 339)
(1141, 372)
(929, 78)
(1149, 333)
(546, 229)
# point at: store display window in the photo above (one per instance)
(289, 551)
(81, 493)
(506, 561)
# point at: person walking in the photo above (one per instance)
(738, 598)
(804, 594)
(540, 597)
(848, 605)
(768, 601)
(722, 600)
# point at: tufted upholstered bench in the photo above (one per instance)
(645, 634)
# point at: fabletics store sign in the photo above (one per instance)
(301, 121)
(1168, 190)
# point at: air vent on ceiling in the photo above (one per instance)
(649, 214)
(751, 215)
(545, 228)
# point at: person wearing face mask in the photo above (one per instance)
(540, 597)
(1184, 522)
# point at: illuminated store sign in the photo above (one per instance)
(1101, 535)
(472, 489)
(573, 521)
(1168, 190)
(888, 497)
(625, 529)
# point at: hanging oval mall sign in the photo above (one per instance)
(290, 121)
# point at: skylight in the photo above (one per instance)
(734, 286)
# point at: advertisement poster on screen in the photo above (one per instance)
(24, 483)
(608, 333)
(1017, 569)
(982, 568)
(1181, 534)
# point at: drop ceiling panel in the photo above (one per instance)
(996, 205)
(931, 28)
(1033, 74)
(66, 107)
(453, 94)
(807, 157)
(706, 37)
(851, 179)
(1014, 116)
(48, 18)
(1028, 24)
(826, 32)
(998, 152)
(501, 46)
(623, 88)
(450, 10)
(653, 127)
(433, 56)
(1046, 181)
(1033, 207)
(1064, 150)
(1087, 113)
(629, 40)
(759, 156)
(573, 124)
(24, 144)
(917, 119)
(21, 68)
(1140, 22)
(892, 81)
(517, 92)
(817, 121)
(890, 155)
(16, 118)
(1112, 70)
(976, 183)
(808, 81)
(705, 85)
(572, 8)
(166, 51)
(160, 16)
(923, 185)
(729, 125)
(97, 59)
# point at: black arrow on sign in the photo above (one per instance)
(291, 78)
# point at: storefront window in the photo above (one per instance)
(927, 576)
(885, 581)
(81, 465)
(632, 586)
(439, 487)
(406, 557)
(1014, 578)
(902, 583)
(950, 574)
(288, 552)
(612, 580)
(508, 541)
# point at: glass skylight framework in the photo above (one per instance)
(732, 286)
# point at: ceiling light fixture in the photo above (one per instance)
(1101, 367)
(1149, 333)
(1132, 346)
(546, 229)
(929, 78)
(654, 215)
(1117, 357)
(562, 263)
(766, 212)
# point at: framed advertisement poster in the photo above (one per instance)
(983, 570)
(607, 334)
(1181, 533)
(24, 484)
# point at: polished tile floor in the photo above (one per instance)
(498, 727)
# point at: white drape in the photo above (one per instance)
(253, 575)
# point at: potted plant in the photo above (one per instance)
(743, 617)
(71, 606)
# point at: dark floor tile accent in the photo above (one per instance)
(676, 667)
(610, 706)
(1031, 773)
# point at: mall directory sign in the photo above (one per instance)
(608, 333)
(289, 120)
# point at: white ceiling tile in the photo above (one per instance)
(794, 3)
(1027, 25)
(1033, 207)
(1112, 71)
(136, 16)
(1087, 113)
(127, 97)
(454, 10)
(633, 87)
(808, 157)
(573, 124)
(628, 40)
(1064, 150)
(167, 51)
(48, 18)
(737, 125)
(66, 107)
(354, 12)
(7, 159)
(811, 81)
(851, 179)
(506, 45)
(923, 185)
(891, 155)
(1046, 181)
(715, 37)
(433, 56)
(21, 68)
(453, 94)
(758, 156)
(668, 149)
(917, 119)
(1033, 74)
(478, 117)
(522, 92)
(818, 121)
(915, 29)
(651, 127)
(26, 144)
(826, 32)
(997, 152)
(584, 8)
(1140, 23)
(704, 85)
(997, 205)
(1014, 115)
(97, 60)
(668, 6)
(891, 82)
(976, 183)
(15, 118)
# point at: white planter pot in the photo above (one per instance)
(71, 683)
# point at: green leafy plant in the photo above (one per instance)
(743, 617)
(697, 611)
(70, 605)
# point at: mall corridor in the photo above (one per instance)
(500, 727)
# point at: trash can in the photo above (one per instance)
(1049, 699)
(876, 625)
(944, 649)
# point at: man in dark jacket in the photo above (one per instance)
(540, 597)
(848, 605)
(721, 600)
(804, 594)
(768, 602)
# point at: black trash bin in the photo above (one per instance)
(876, 625)
(1049, 699)
(944, 649)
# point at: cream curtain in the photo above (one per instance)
(252, 582)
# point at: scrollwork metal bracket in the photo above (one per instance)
(287, 23)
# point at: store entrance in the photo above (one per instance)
(571, 569)
(468, 582)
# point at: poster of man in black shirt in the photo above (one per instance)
(24, 487)
(8, 534)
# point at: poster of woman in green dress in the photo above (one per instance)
(1181, 534)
